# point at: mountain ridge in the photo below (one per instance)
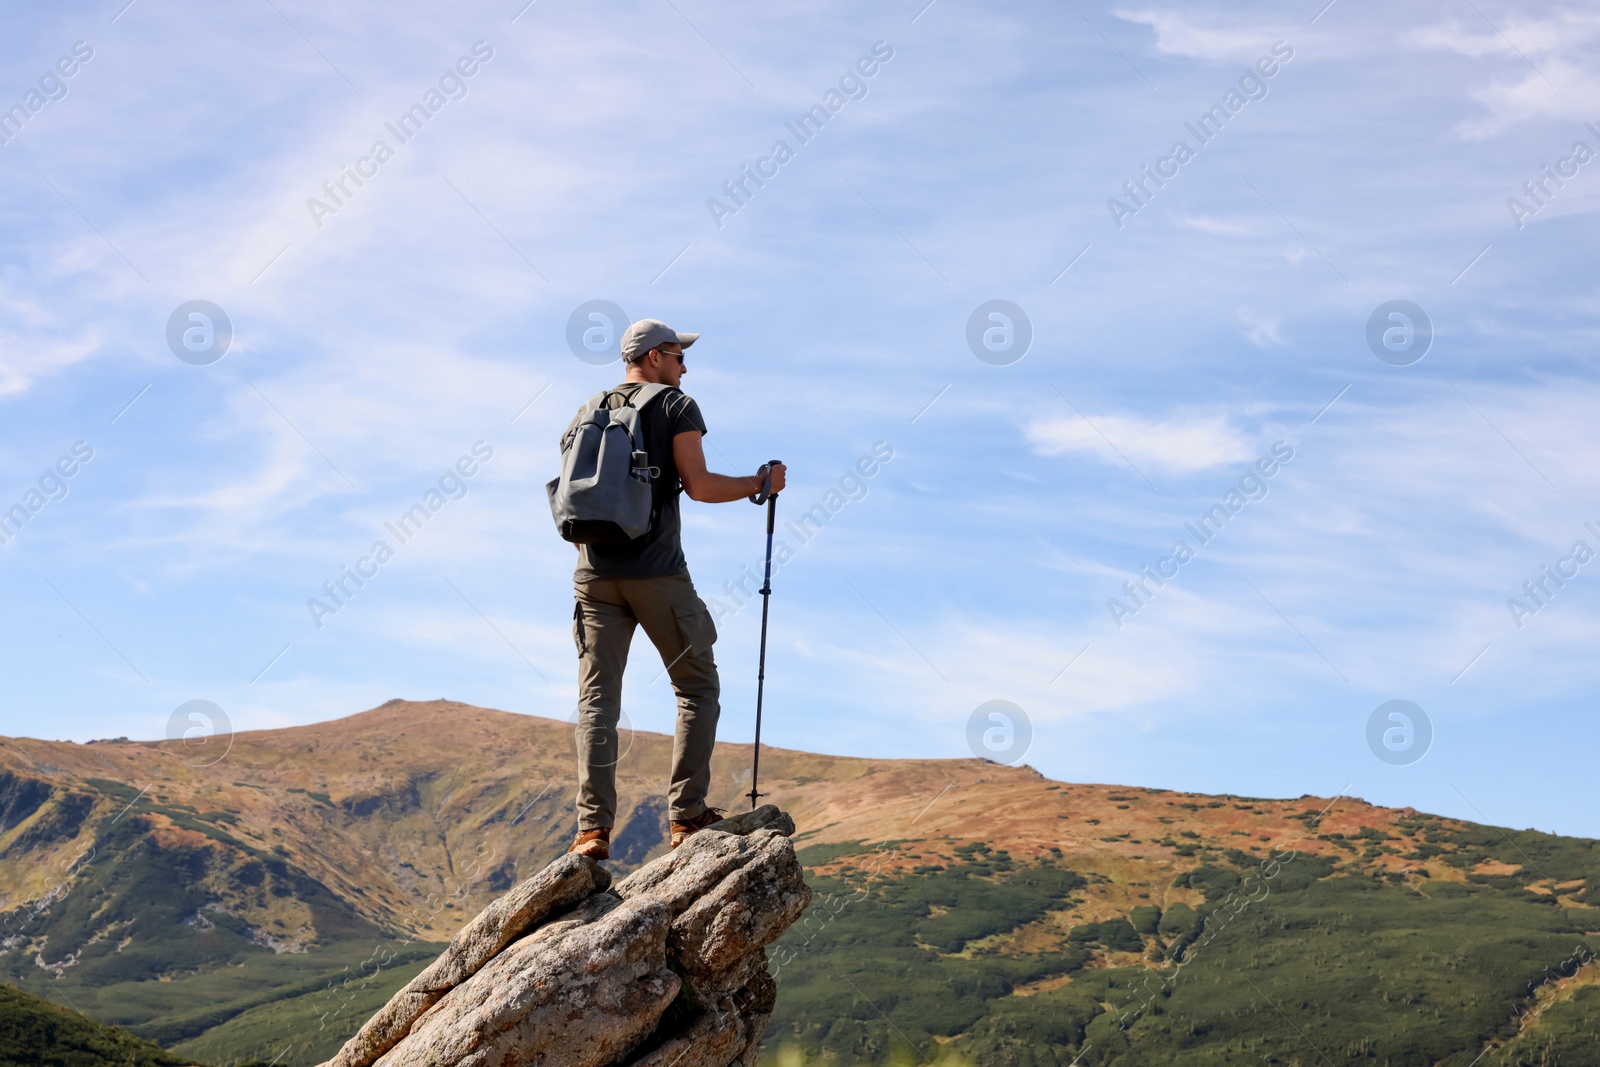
(208, 899)
(299, 761)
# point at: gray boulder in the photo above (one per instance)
(668, 967)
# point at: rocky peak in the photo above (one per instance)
(667, 967)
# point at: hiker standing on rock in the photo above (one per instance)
(621, 510)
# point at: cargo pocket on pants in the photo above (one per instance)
(699, 633)
(578, 636)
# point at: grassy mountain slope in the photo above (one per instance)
(275, 895)
(37, 1033)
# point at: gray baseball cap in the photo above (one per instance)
(646, 334)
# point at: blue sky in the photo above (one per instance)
(374, 345)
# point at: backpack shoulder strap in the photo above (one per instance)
(638, 399)
(648, 392)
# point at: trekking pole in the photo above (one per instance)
(768, 497)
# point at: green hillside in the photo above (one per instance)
(302, 1028)
(1289, 959)
(37, 1033)
(145, 941)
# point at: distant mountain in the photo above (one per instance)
(35, 1032)
(257, 900)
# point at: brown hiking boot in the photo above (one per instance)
(595, 844)
(684, 829)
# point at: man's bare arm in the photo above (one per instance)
(709, 488)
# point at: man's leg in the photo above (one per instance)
(679, 625)
(602, 627)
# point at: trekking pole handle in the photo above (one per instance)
(765, 474)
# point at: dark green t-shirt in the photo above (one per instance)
(659, 552)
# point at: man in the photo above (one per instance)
(645, 582)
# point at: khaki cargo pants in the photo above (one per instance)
(679, 624)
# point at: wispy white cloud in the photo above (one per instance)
(1548, 53)
(1516, 32)
(1179, 33)
(1262, 330)
(1220, 227)
(1181, 444)
(26, 357)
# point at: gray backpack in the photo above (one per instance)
(603, 495)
